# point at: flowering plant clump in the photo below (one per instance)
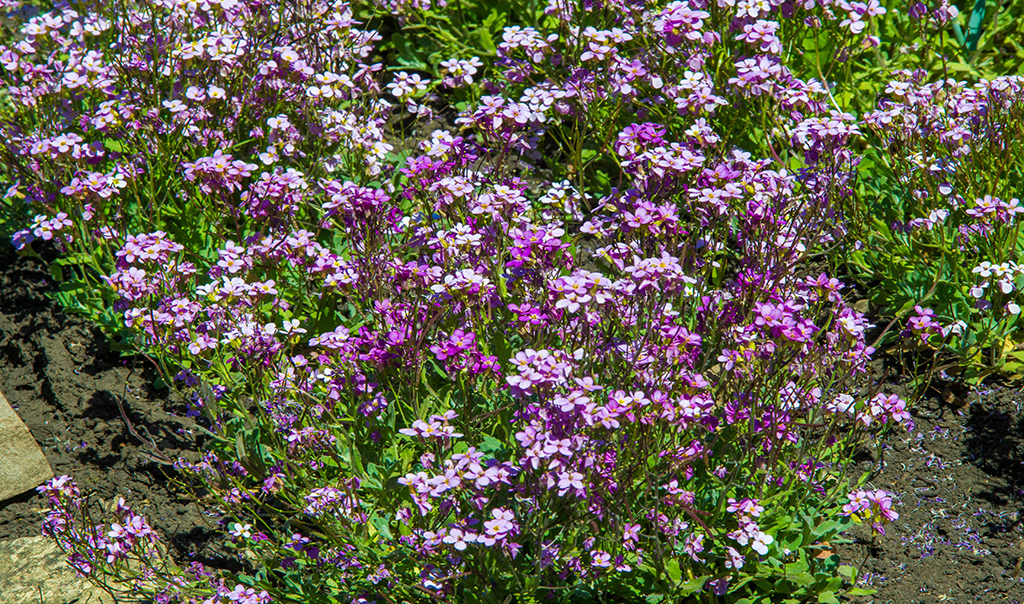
(953, 235)
(427, 370)
(129, 545)
(184, 118)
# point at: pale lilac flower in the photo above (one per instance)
(459, 539)
(761, 541)
(405, 85)
(600, 559)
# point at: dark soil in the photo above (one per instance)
(959, 475)
(64, 381)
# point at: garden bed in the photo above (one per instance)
(958, 479)
(506, 304)
(958, 475)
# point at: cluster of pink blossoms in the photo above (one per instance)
(622, 387)
(872, 506)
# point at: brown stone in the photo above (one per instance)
(23, 466)
(33, 571)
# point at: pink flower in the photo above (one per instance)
(871, 506)
(600, 559)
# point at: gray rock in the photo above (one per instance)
(33, 571)
(22, 464)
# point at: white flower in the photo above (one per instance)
(175, 106)
(761, 542)
(842, 403)
(459, 539)
(269, 156)
(241, 530)
(956, 328)
(278, 122)
(937, 217)
(288, 54)
(292, 326)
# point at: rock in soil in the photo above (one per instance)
(33, 571)
(22, 465)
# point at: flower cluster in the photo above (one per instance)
(874, 507)
(945, 135)
(44, 228)
(423, 368)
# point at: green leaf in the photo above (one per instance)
(73, 259)
(261, 456)
(114, 145)
(807, 531)
(801, 579)
(974, 25)
(240, 447)
(356, 460)
(961, 67)
(495, 21)
(489, 444)
(370, 480)
(381, 524)
(674, 572)
(829, 527)
(486, 39)
(532, 585)
(692, 586)
(743, 581)
(818, 50)
(800, 566)
(860, 591)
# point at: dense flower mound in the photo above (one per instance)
(946, 136)
(561, 342)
